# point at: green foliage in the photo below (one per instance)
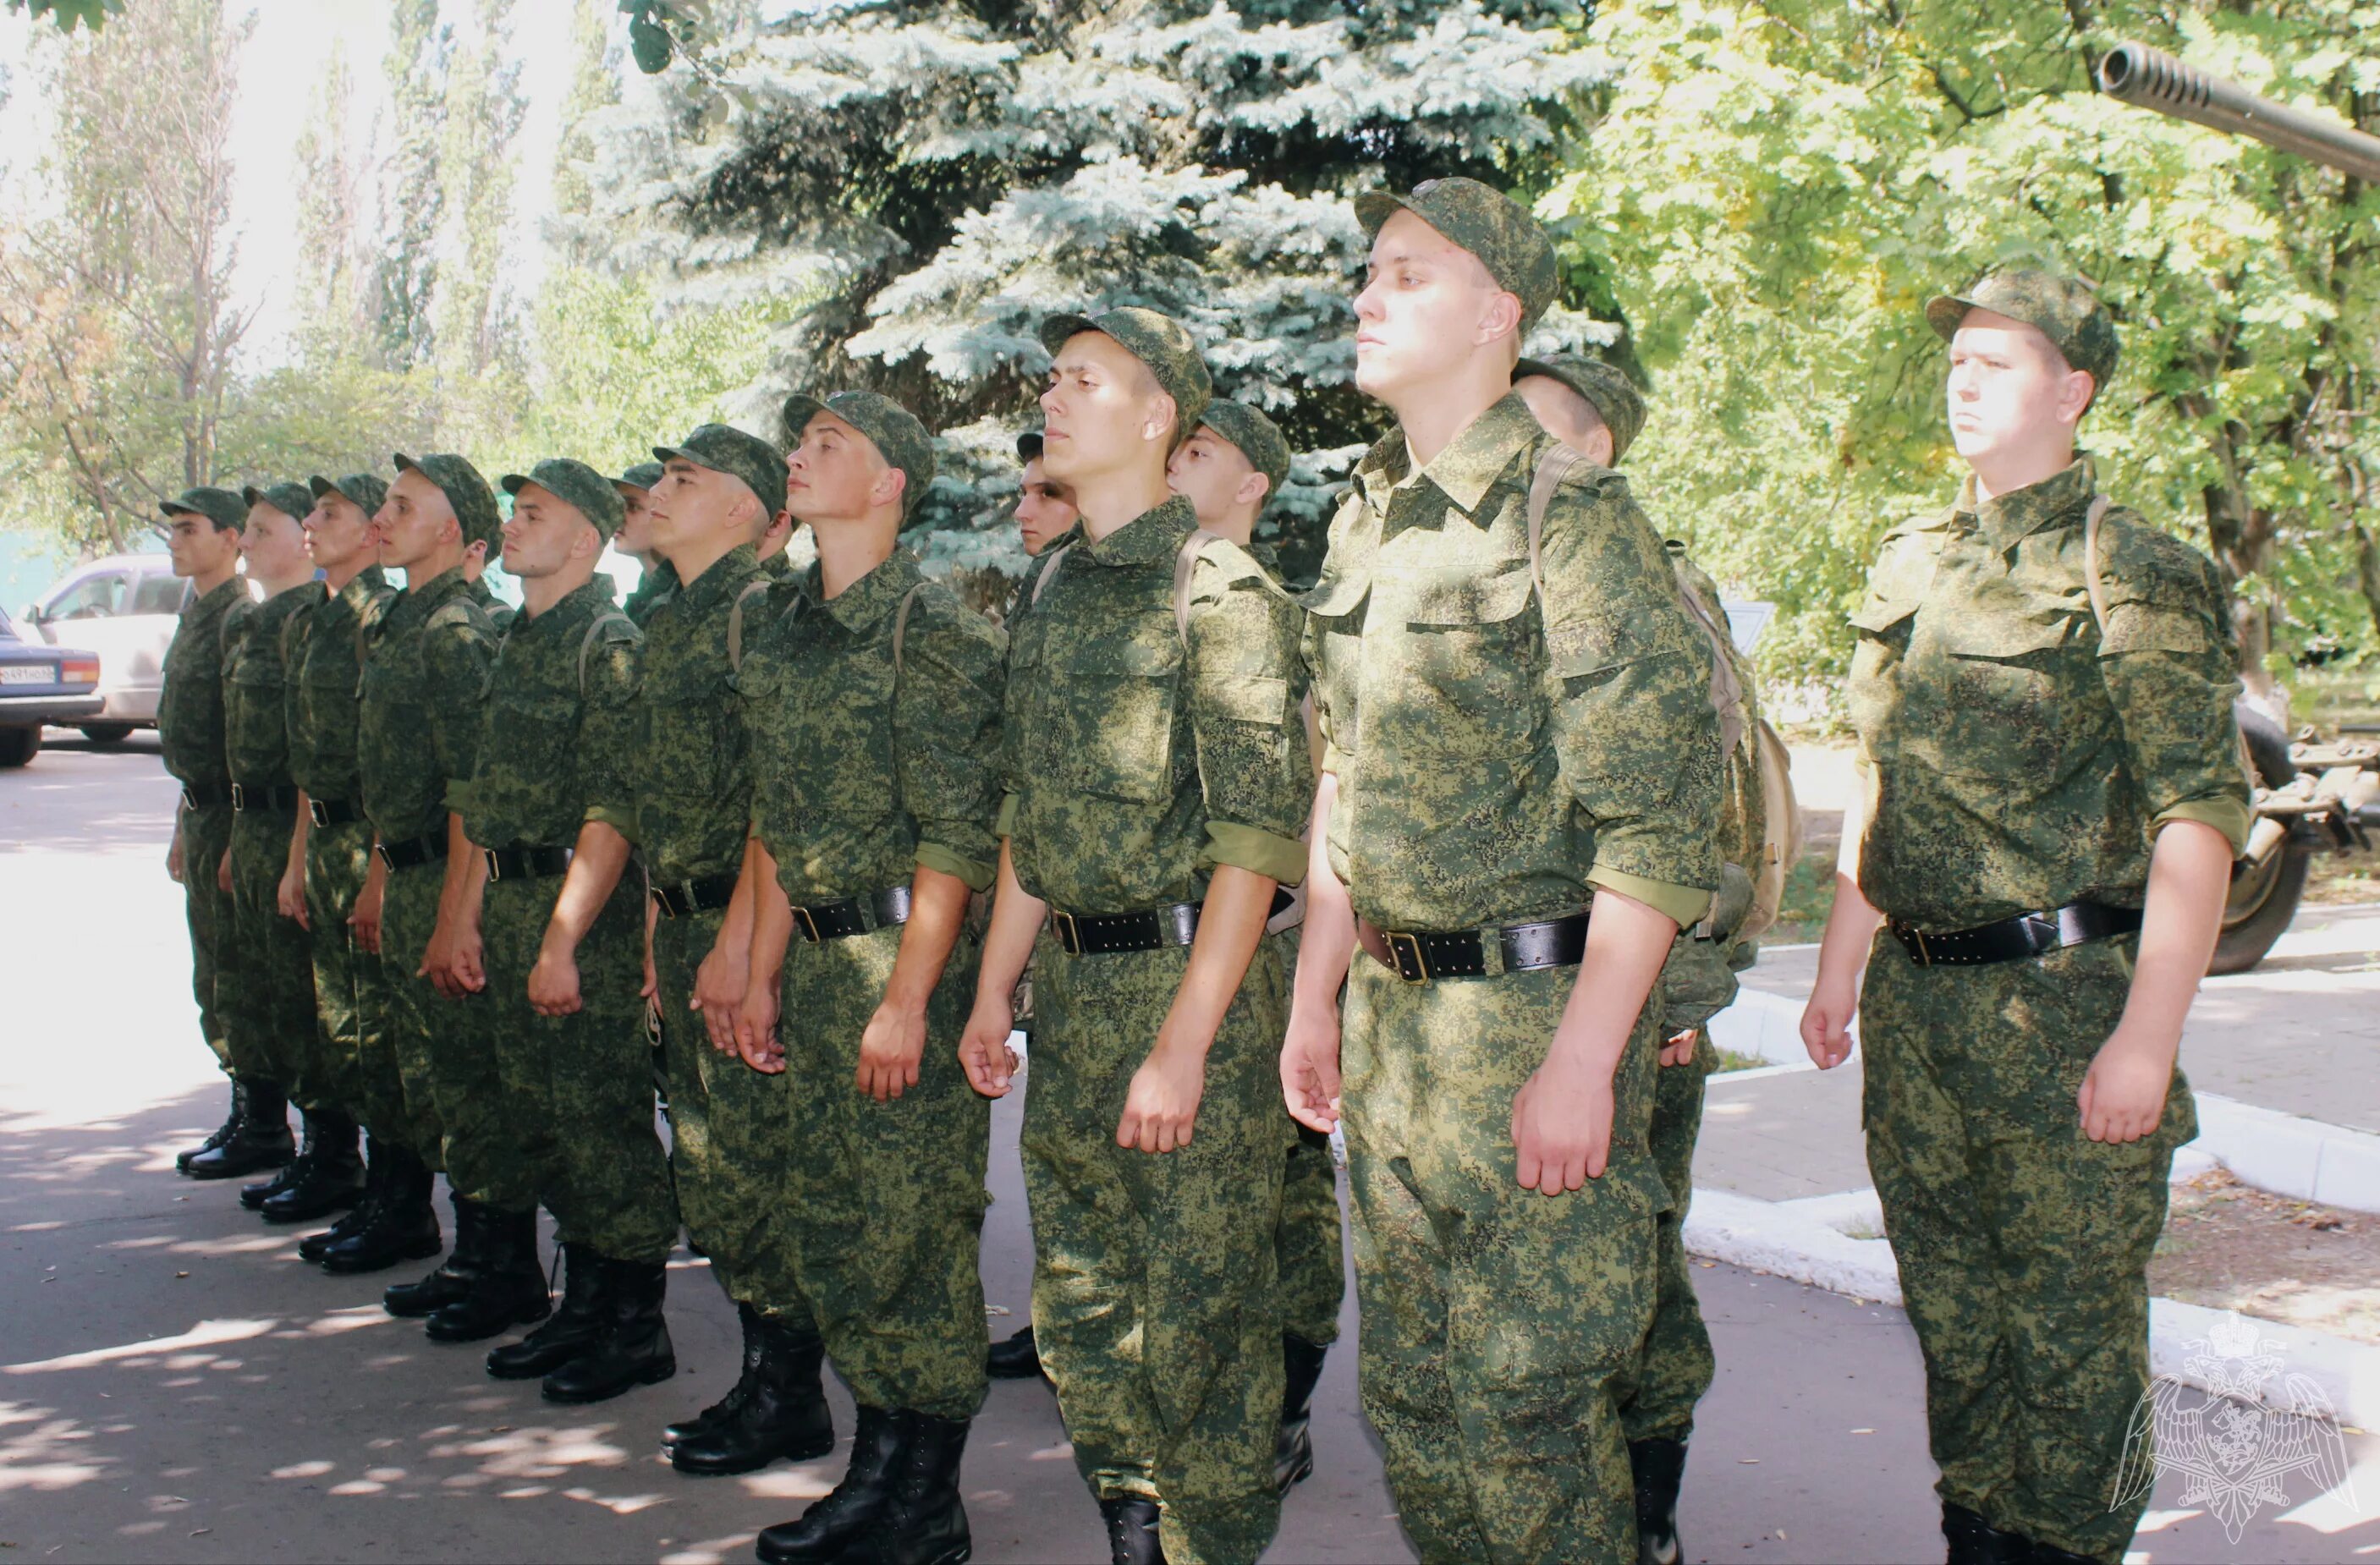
(70, 14)
(1770, 191)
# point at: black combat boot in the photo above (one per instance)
(359, 1216)
(1973, 1541)
(402, 1225)
(261, 1140)
(1293, 1446)
(221, 1133)
(507, 1290)
(1017, 1358)
(925, 1524)
(755, 1334)
(855, 1506)
(783, 1413)
(570, 1330)
(253, 1196)
(452, 1279)
(1132, 1530)
(633, 1349)
(332, 1176)
(1658, 1466)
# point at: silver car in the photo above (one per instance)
(125, 607)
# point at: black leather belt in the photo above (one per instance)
(416, 851)
(1425, 956)
(709, 894)
(853, 916)
(2018, 939)
(525, 864)
(1152, 929)
(279, 798)
(333, 812)
(206, 796)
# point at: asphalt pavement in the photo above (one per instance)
(175, 1385)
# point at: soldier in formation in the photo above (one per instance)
(1459, 854)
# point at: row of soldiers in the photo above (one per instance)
(812, 828)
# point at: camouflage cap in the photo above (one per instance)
(220, 506)
(1028, 445)
(724, 448)
(1615, 400)
(1157, 340)
(1485, 221)
(292, 500)
(577, 484)
(466, 492)
(643, 475)
(1259, 439)
(366, 491)
(898, 435)
(2063, 308)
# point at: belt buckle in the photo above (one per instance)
(496, 870)
(387, 859)
(1924, 953)
(239, 797)
(809, 922)
(315, 811)
(661, 901)
(1399, 946)
(1070, 939)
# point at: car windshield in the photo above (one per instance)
(7, 630)
(100, 593)
(160, 592)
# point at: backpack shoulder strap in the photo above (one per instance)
(1557, 462)
(758, 586)
(1184, 565)
(595, 631)
(1048, 570)
(2091, 520)
(1726, 686)
(901, 628)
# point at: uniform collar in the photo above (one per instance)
(447, 583)
(1155, 534)
(2007, 519)
(727, 574)
(1466, 469)
(362, 587)
(224, 594)
(590, 597)
(861, 605)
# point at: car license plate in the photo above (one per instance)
(28, 673)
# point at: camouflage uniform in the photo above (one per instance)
(862, 770)
(2016, 759)
(656, 587)
(559, 1109)
(500, 613)
(271, 1011)
(418, 730)
(325, 667)
(1135, 765)
(190, 734)
(1494, 768)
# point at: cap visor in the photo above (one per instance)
(321, 486)
(1944, 311)
(170, 509)
(1374, 208)
(796, 414)
(514, 483)
(1057, 330)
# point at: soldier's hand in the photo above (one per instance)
(2123, 1093)
(1309, 1067)
(452, 963)
(1680, 1049)
(984, 1054)
(756, 1030)
(1162, 1104)
(719, 987)
(223, 873)
(890, 1051)
(365, 919)
(290, 895)
(554, 982)
(1562, 1126)
(1825, 1023)
(174, 858)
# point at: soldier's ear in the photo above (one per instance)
(1164, 419)
(1256, 486)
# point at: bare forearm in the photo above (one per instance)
(596, 865)
(1326, 946)
(298, 833)
(1626, 943)
(1017, 919)
(2189, 874)
(1230, 924)
(467, 875)
(772, 916)
(1853, 921)
(938, 908)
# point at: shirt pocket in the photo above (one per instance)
(1871, 693)
(830, 753)
(687, 753)
(1469, 684)
(1111, 705)
(1334, 649)
(2006, 697)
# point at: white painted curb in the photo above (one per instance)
(2291, 1155)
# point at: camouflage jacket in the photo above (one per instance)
(557, 722)
(861, 770)
(191, 704)
(2015, 757)
(256, 684)
(326, 665)
(652, 589)
(1135, 764)
(418, 717)
(1496, 759)
(691, 787)
(500, 613)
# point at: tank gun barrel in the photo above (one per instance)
(2151, 78)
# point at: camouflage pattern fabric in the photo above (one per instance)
(900, 440)
(2016, 759)
(1485, 221)
(404, 1048)
(327, 667)
(1497, 1324)
(652, 589)
(1256, 438)
(690, 769)
(1155, 1299)
(1606, 388)
(1675, 1365)
(747, 459)
(563, 1111)
(474, 503)
(500, 613)
(1157, 340)
(190, 735)
(2064, 309)
(1309, 1247)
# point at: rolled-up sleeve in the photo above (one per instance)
(2172, 677)
(607, 733)
(1247, 683)
(1638, 742)
(946, 739)
(454, 655)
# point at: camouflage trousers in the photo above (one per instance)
(2023, 1246)
(1310, 1248)
(269, 1000)
(882, 1222)
(1497, 1322)
(559, 1110)
(1675, 1365)
(348, 998)
(205, 834)
(1155, 1303)
(728, 1136)
(415, 1012)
